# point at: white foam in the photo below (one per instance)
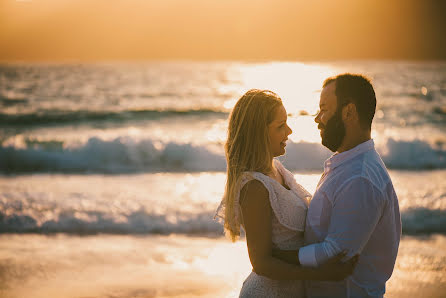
(115, 156)
(123, 155)
(414, 221)
(424, 221)
(415, 154)
(137, 222)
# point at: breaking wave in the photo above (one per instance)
(414, 221)
(124, 155)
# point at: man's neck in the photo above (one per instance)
(351, 142)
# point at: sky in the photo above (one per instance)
(90, 30)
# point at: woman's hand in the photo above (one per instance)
(336, 270)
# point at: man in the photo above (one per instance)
(354, 208)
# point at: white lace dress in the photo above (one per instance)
(288, 223)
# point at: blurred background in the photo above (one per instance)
(113, 116)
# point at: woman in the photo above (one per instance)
(263, 197)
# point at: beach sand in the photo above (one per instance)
(172, 266)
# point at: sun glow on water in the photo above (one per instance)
(298, 85)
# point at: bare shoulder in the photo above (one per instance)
(254, 193)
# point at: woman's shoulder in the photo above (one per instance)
(264, 191)
(253, 190)
(261, 178)
(255, 184)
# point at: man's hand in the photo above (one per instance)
(336, 270)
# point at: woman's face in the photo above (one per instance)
(278, 131)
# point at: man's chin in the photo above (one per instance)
(329, 146)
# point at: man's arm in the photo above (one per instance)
(356, 210)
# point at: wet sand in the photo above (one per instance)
(172, 266)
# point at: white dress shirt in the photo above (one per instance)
(354, 208)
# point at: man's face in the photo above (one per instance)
(329, 119)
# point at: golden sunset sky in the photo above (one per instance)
(89, 30)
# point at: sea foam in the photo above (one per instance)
(124, 155)
(415, 221)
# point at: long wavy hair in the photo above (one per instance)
(247, 148)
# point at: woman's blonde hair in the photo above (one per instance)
(247, 147)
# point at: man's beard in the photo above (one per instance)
(334, 132)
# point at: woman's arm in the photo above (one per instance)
(288, 256)
(256, 211)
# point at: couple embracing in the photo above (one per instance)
(340, 242)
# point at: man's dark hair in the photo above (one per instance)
(358, 90)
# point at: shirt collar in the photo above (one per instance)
(339, 158)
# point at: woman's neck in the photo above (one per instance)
(274, 172)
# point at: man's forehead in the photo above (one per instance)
(328, 95)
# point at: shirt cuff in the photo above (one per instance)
(307, 256)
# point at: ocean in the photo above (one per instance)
(110, 173)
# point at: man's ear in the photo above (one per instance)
(349, 112)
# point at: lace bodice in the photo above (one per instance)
(288, 223)
(289, 207)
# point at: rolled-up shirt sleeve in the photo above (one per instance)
(356, 209)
